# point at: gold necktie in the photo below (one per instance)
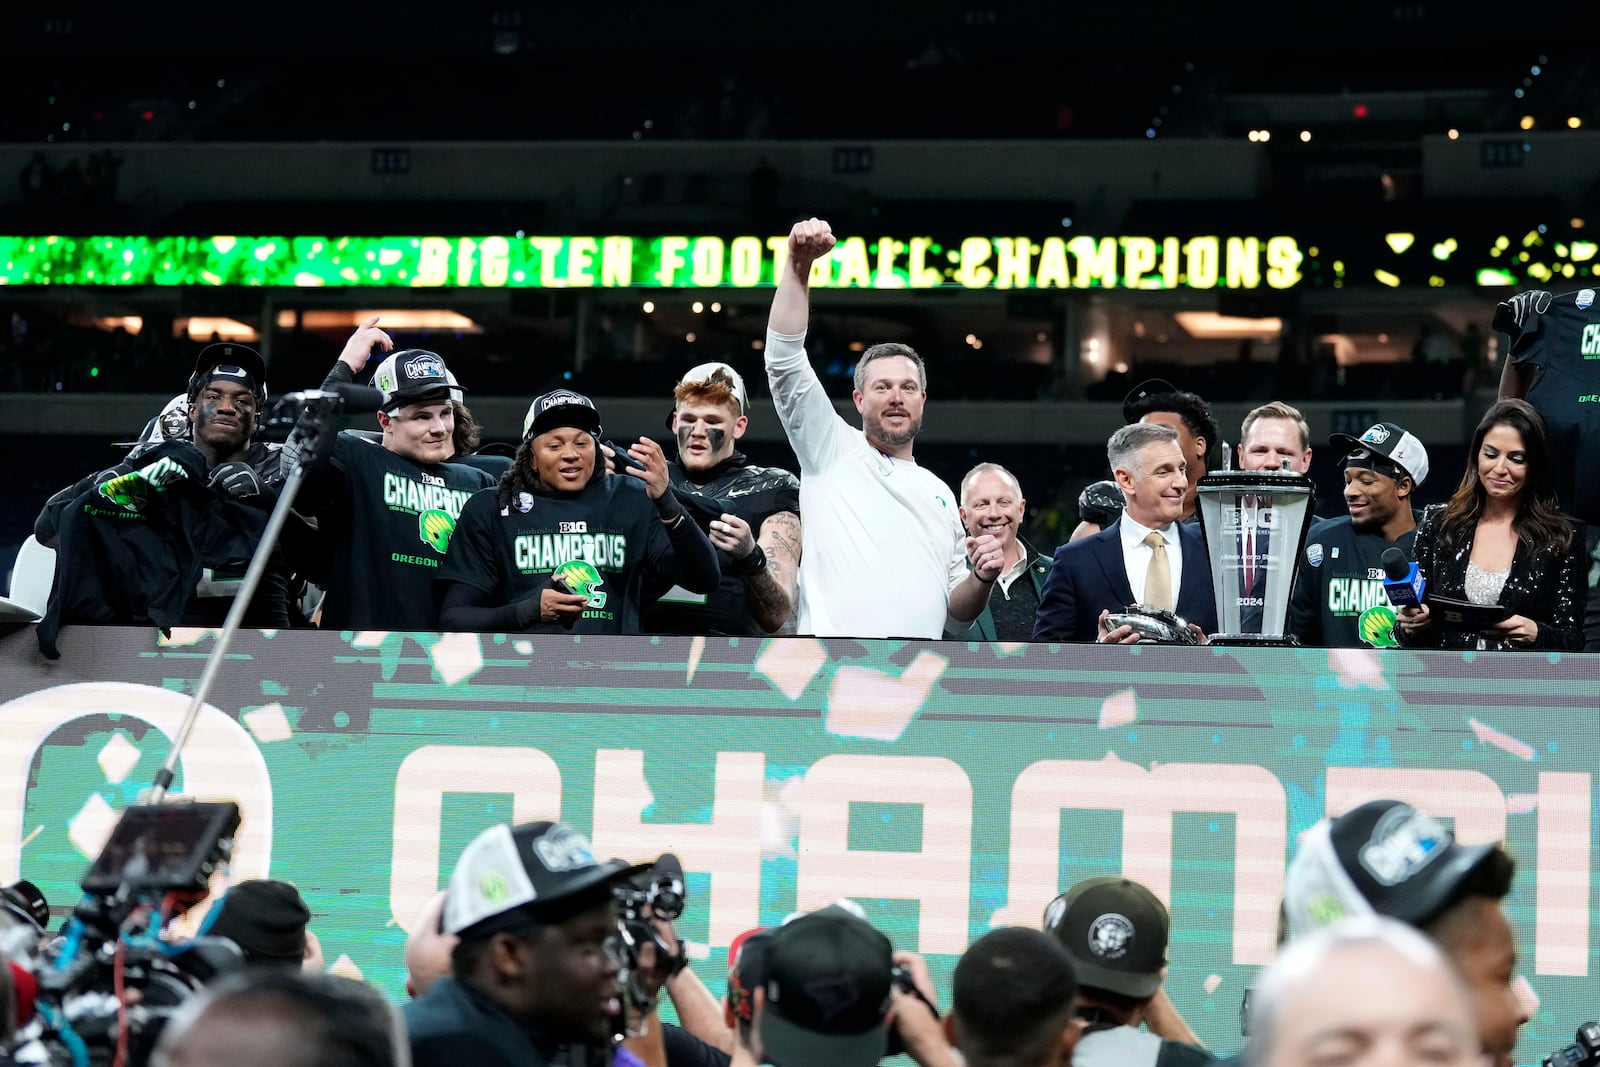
(1158, 579)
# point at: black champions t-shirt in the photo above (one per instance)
(754, 494)
(1339, 599)
(603, 542)
(398, 518)
(1563, 347)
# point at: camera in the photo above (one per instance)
(1583, 1052)
(654, 893)
(158, 861)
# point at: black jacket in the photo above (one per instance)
(131, 548)
(1544, 586)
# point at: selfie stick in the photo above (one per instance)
(314, 434)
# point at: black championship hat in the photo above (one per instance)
(411, 376)
(1387, 448)
(1385, 857)
(235, 363)
(560, 407)
(532, 866)
(1115, 930)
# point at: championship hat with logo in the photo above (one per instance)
(1115, 930)
(230, 362)
(537, 866)
(1384, 857)
(827, 979)
(411, 376)
(710, 373)
(557, 408)
(1386, 448)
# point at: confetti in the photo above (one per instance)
(90, 828)
(117, 758)
(790, 664)
(456, 657)
(697, 648)
(1119, 709)
(1505, 742)
(868, 703)
(268, 723)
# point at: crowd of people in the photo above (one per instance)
(415, 527)
(1393, 948)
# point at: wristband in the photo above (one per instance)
(752, 564)
(669, 507)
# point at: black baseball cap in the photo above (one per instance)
(531, 866)
(1384, 856)
(1115, 930)
(827, 981)
(411, 376)
(560, 407)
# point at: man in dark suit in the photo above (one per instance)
(1147, 556)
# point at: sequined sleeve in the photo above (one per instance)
(1563, 631)
(1423, 550)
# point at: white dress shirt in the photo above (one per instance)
(1136, 555)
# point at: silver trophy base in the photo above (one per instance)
(1258, 640)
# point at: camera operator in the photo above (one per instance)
(284, 1018)
(534, 978)
(652, 900)
(827, 988)
(1013, 1001)
(1116, 932)
(1387, 858)
(267, 919)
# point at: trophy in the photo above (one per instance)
(1255, 525)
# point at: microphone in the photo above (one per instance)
(1402, 580)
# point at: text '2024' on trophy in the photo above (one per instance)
(1255, 525)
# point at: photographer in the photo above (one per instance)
(267, 919)
(1116, 931)
(534, 977)
(825, 988)
(1012, 1002)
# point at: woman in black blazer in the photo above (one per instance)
(1502, 539)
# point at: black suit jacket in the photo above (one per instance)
(1088, 577)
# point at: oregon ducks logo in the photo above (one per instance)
(435, 528)
(580, 577)
(1377, 626)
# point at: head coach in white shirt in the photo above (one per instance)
(1145, 557)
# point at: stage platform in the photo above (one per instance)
(945, 786)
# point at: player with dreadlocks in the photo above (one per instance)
(562, 544)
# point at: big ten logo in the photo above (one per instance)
(220, 762)
(809, 820)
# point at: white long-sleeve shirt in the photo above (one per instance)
(883, 544)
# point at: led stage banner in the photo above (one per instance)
(968, 262)
(946, 787)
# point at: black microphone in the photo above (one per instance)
(1402, 579)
